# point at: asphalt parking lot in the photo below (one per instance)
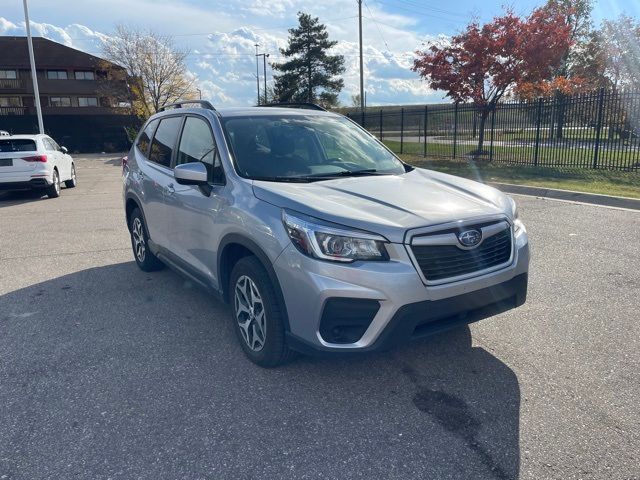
(107, 372)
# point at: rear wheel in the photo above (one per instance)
(146, 260)
(73, 181)
(257, 316)
(53, 191)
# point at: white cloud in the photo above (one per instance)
(7, 27)
(270, 8)
(224, 61)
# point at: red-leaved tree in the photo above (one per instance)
(484, 63)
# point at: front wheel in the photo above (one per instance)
(257, 316)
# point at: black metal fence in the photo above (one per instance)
(79, 133)
(599, 130)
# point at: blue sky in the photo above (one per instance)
(221, 34)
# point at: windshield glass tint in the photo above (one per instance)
(17, 145)
(273, 147)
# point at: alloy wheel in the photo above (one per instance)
(250, 314)
(139, 244)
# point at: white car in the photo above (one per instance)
(35, 162)
(3, 133)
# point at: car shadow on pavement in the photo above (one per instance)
(110, 371)
(9, 199)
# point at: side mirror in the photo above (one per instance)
(194, 173)
(64, 149)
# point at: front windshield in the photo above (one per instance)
(306, 148)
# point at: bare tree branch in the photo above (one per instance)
(157, 70)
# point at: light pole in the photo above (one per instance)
(199, 93)
(34, 78)
(264, 66)
(361, 63)
(258, 73)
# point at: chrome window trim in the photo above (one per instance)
(429, 236)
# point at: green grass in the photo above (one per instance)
(556, 156)
(579, 176)
(607, 182)
(529, 135)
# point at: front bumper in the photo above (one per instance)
(421, 319)
(407, 308)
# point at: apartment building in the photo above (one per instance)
(71, 82)
(84, 98)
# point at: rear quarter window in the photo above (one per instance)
(145, 137)
(17, 145)
(164, 141)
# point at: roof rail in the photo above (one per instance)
(303, 105)
(201, 103)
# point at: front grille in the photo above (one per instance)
(439, 262)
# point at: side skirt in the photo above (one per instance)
(185, 270)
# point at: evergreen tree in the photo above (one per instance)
(309, 73)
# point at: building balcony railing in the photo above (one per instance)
(4, 111)
(13, 84)
(61, 87)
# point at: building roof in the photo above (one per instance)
(14, 53)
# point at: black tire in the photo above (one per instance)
(53, 191)
(144, 257)
(74, 180)
(274, 351)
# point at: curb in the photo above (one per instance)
(570, 195)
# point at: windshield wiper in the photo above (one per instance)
(322, 176)
(348, 173)
(285, 179)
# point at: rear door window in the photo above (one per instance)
(145, 137)
(17, 145)
(164, 141)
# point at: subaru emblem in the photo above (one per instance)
(470, 238)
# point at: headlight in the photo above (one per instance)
(326, 242)
(518, 226)
(514, 208)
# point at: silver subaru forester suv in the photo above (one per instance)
(319, 237)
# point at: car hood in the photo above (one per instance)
(388, 205)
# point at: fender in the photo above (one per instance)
(264, 260)
(132, 196)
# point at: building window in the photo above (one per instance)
(87, 102)
(57, 74)
(8, 74)
(60, 101)
(85, 76)
(10, 102)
